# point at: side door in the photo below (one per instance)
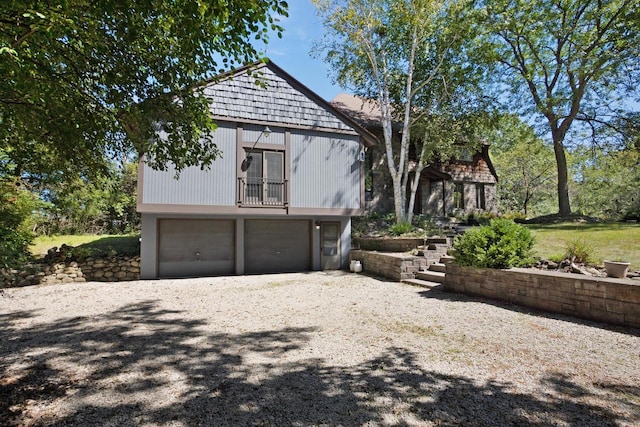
(330, 256)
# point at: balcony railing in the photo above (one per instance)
(262, 192)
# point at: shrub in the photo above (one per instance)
(17, 207)
(424, 222)
(400, 228)
(633, 214)
(517, 217)
(579, 251)
(471, 219)
(480, 218)
(501, 244)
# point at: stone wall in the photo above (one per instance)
(99, 270)
(394, 266)
(120, 269)
(387, 244)
(615, 301)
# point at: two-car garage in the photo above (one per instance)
(210, 247)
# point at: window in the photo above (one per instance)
(480, 197)
(368, 176)
(435, 187)
(458, 195)
(464, 155)
(264, 183)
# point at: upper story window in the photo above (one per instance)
(263, 183)
(464, 155)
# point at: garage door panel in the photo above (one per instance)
(196, 269)
(274, 246)
(196, 247)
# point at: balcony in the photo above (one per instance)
(257, 192)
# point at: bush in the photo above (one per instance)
(517, 217)
(400, 228)
(17, 207)
(579, 251)
(501, 244)
(425, 223)
(633, 214)
(479, 218)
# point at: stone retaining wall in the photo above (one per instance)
(100, 270)
(111, 270)
(615, 301)
(387, 244)
(394, 266)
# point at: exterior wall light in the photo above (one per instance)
(247, 160)
(362, 155)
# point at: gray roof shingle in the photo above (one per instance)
(239, 97)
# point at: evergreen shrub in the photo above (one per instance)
(501, 244)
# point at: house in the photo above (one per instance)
(460, 185)
(279, 199)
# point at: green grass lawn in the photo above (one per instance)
(90, 244)
(611, 241)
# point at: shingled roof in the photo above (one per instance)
(264, 92)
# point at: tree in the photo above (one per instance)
(121, 215)
(77, 205)
(569, 60)
(609, 182)
(103, 204)
(18, 211)
(87, 80)
(525, 166)
(400, 54)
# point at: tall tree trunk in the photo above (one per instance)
(416, 181)
(398, 200)
(403, 188)
(564, 207)
(412, 196)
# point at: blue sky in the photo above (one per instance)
(293, 51)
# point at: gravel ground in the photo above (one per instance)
(304, 349)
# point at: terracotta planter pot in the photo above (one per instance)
(616, 269)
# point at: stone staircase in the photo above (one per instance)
(435, 251)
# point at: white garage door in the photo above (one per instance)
(190, 248)
(277, 246)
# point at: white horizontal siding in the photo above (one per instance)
(215, 186)
(325, 171)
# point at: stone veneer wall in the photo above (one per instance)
(615, 301)
(394, 266)
(99, 270)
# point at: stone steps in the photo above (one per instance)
(422, 283)
(439, 267)
(446, 259)
(436, 241)
(431, 276)
(429, 265)
(435, 251)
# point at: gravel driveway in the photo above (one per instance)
(304, 349)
